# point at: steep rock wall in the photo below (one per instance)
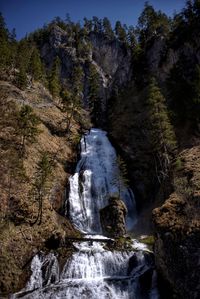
(111, 58)
(177, 224)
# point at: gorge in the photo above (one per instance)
(94, 271)
(89, 116)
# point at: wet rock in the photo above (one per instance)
(133, 262)
(146, 280)
(113, 218)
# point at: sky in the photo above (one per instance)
(28, 15)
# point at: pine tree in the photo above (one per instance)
(97, 24)
(162, 136)
(5, 50)
(131, 37)
(152, 23)
(35, 65)
(93, 94)
(54, 80)
(73, 100)
(21, 78)
(120, 175)
(87, 25)
(23, 54)
(41, 183)
(27, 126)
(120, 31)
(108, 29)
(23, 49)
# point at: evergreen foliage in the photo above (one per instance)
(152, 23)
(21, 78)
(41, 183)
(54, 79)
(94, 93)
(97, 24)
(162, 136)
(120, 176)
(27, 123)
(108, 29)
(77, 93)
(23, 55)
(7, 46)
(184, 90)
(185, 25)
(131, 37)
(36, 69)
(87, 25)
(120, 31)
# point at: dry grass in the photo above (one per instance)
(19, 240)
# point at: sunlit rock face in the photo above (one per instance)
(111, 59)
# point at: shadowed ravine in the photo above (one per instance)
(93, 271)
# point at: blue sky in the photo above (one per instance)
(28, 15)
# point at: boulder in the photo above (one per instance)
(113, 218)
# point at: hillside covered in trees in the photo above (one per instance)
(142, 85)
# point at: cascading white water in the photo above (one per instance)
(97, 178)
(94, 272)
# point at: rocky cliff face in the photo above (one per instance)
(111, 59)
(176, 222)
(178, 229)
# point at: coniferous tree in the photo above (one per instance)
(71, 98)
(93, 94)
(108, 29)
(131, 37)
(22, 62)
(35, 68)
(152, 23)
(27, 126)
(21, 78)
(162, 136)
(23, 54)
(120, 175)
(97, 24)
(54, 80)
(77, 91)
(5, 49)
(87, 25)
(40, 186)
(120, 31)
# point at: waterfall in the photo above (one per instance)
(94, 272)
(97, 178)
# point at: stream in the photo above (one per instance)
(94, 271)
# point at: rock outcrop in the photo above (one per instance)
(176, 222)
(111, 58)
(113, 218)
(177, 225)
